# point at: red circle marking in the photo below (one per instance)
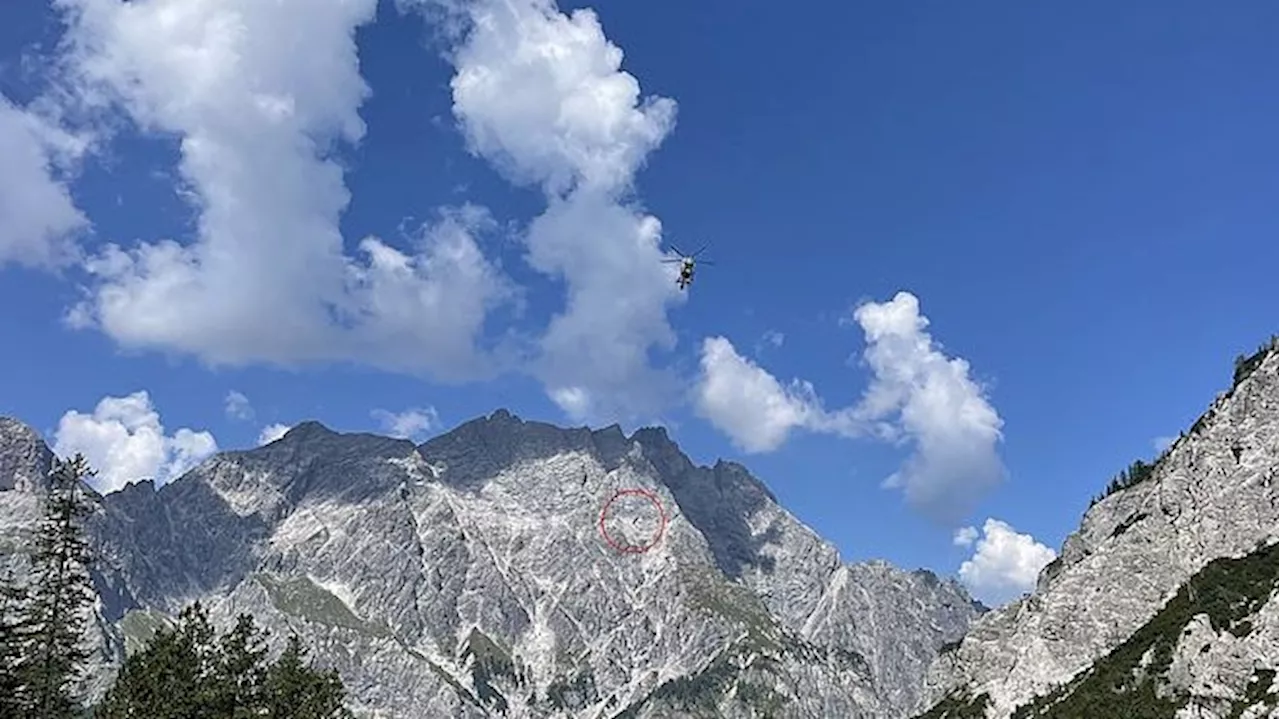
(634, 548)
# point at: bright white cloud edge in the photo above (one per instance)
(254, 161)
(265, 279)
(124, 442)
(1005, 563)
(918, 396)
(272, 432)
(237, 406)
(38, 218)
(412, 423)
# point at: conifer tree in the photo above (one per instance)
(294, 690)
(12, 599)
(240, 670)
(170, 679)
(53, 617)
(190, 672)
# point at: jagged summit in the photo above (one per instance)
(24, 457)
(308, 430)
(468, 573)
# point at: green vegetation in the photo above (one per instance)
(12, 598)
(47, 619)
(439, 671)
(191, 671)
(1258, 692)
(1131, 681)
(698, 694)
(1244, 366)
(959, 706)
(303, 598)
(139, 626)
(1137, 472)
(718, 597)
(1140, 471)
(183, 671)
(764, 698)
(749, 669)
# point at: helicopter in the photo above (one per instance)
(687, 264)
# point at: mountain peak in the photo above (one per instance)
(355, 537)
(13, 428)
(25, 459)
(310, 429)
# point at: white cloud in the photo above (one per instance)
(917, 396)
(124, 441)
(1004, 565)
(965, 537)
(540, 94)
(412, 423)
(38, 219)
(259, 93)
(1160, 444)
(931, 402)
(747, 403)
(237, 406)
(271, 433)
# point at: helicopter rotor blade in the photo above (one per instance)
(671, 261)
(704, 247)
(677, 251)
(706, 262)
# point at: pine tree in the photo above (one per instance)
(192, 673)
(54, 615)
(240, 670)
(170, 679)
(12, 599)
(294, 690)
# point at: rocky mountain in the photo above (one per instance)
(471, 576)
(1163, 603)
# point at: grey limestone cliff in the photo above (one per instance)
(1134, 592)
(467, 577)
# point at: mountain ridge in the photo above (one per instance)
(1211, 496)
(464, 574)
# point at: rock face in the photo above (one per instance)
(1151, 586)
(467, 577)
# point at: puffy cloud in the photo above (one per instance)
(541, 95)
(38, 219)
(932, 403)
(413, 423)
(747, 403)
(1160, 444)
(1004, 565)
(124, 441)
(237, 406)
(965, 537)
(258, 94)
(271, 433)
(917, 396)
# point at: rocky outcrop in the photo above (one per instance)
(467, 577)
(1212, 497)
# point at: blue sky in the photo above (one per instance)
(1077, 199)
